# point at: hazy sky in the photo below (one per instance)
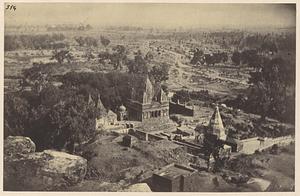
(156, 15)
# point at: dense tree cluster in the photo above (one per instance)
(86, 41)
(59, 117)
(138, 64)
(36, 42)
(209, 59)
(186, 96)
(113, 87)
(117, 58)
(236, 58)
(70, 28)
(269, 94)
(160, 73)
(272, 92)
(54, 118)
(104, 41)
(62, 55)
(249, 57)
(262, 43)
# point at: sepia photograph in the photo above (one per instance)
(149, 97)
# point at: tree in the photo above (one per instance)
(59, 120)
(209, 59)
(250, 57)
(16, 114)
(72, 122)
(236, 58)
(197, 57)
(37, 77)
(60, 117)
(80, 40)
(89, 55)
(103, 56)
(269, 46)
(149, 56)
(224, 57)
(104, 41)
(231, 132)
(88, 27)
(182, 96)
(269, 87)
(62, 55)
(90, 41)
(212, 146)
(160, 73)
(138, 65)
(86, 41)
(118, 57)
(50, 95)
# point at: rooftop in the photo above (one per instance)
(174, 170)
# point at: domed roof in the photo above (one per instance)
(122, 108)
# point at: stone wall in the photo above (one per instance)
(152, 137)
(249, 146)
(178, 108)
(141, 135)
(281, 141)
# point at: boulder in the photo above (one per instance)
(40, 171)
(140, 187)
(18, 145)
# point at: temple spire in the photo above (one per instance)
(216, 126)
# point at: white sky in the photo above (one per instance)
(155, 15)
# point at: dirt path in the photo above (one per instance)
(181, 76)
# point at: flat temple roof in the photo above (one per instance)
(174, 171)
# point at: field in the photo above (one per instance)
(221, 79)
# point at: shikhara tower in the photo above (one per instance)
(215, 126)
(147, 101)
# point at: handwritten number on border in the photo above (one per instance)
(11, 7)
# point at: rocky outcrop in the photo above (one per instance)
(18, 145)
(140, 187)
(38, 171)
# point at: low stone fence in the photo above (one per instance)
(249, 146)
(281, 141)
(152, 137)
(141, 135)
(121, 131)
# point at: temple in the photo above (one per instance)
(147, 101)
(214, 129)
(215, 126)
